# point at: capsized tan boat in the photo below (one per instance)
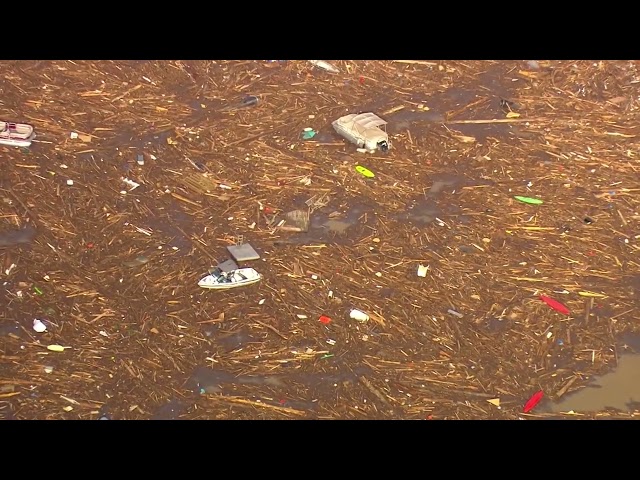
(364, 130)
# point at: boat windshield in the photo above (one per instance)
(220, 277)
(217, 273)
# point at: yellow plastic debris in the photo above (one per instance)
(56, 348)
(591, 294)
(494, 401)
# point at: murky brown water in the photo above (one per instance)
(619, 389)
(213, 380)
(339, 223)
(421, 212)
(170, 411)
(445, 181)
(409, 119)
(479, 100)
(12, 237)
(173, 224)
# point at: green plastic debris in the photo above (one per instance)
(38, 291)
(365, 172)
(532, 201)
(308, 133)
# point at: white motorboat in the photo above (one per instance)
(16, 134)
(219, 280)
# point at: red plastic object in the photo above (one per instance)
(556, 305)
(361, 80)
(533, 401)
(324, 319)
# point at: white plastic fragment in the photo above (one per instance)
(69, 182)
(74, 135)
(422, 270)
(533, 65)
(38, 326)
(358, 315)
(130, 183)
(324, 66)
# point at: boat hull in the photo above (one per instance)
(241, 278)
(17, 142)
(16, 134)
(228, 286)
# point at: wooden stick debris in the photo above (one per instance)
(257, 404)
